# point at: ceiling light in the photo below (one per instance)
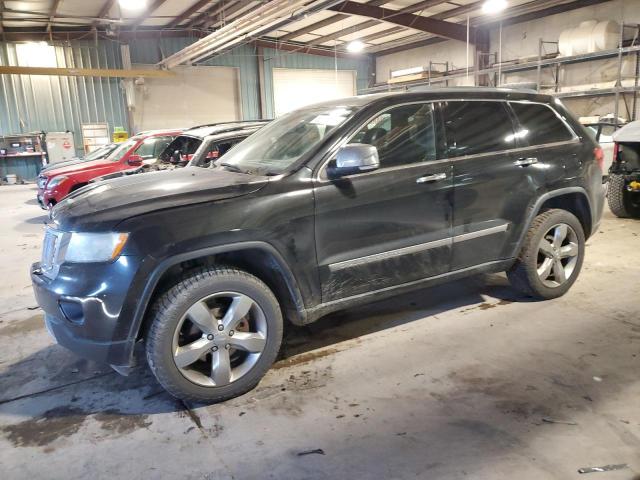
(492, 7)
(355, 46)
(132, 4)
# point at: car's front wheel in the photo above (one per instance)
(551, 256)
(214, 335)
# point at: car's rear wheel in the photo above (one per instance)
(622, 202)
(214, 335)
(551, 256)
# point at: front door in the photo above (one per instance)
(391, 226)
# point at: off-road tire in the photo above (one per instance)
(523, 275)
(172, 305)
(620, 199)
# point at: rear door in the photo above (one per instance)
(550, 140)
(390, 226)
(494, 182)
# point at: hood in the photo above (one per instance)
(77, 166)
(629, 133)
(65, 163)
(112, 201)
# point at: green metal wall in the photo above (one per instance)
(30, 103)
(245, 58)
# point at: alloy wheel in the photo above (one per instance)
(558, 254)
(219, 339)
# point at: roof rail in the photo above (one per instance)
(227, 123)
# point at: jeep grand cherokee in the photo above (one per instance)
(327, 207)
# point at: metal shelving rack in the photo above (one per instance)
(545, 60)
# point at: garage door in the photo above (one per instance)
(195, 96)
(295, 88)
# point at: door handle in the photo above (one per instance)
(432, 178)
(525, 162)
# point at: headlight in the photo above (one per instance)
(56, 181)
(95, 247)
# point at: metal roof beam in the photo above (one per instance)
(440, 28)
(149, 11)
(104, 11)
(187, 13)
(52, 14)
(326, 22)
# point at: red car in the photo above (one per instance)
(57, 183)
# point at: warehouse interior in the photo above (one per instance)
(465, 379)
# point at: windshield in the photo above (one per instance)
(120, 152)
(277, 147)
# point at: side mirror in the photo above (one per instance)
(355, 158)
(135, 160)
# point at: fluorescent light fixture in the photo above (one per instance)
(407, 71)
(493, 7)
(355, 46)
(132, 4)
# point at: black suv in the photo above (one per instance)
(327, 207)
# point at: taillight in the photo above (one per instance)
(616, 150)
(598, 153)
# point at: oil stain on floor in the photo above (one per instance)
(65, 421)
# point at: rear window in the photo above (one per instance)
(477, 127)
(540, 124)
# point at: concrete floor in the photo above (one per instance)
(459, 381)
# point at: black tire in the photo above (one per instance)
(623, 203)
(170, 308)
(523, 275)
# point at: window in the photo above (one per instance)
(120, 152)
(277, 147)
(212, 152)
(145, 150)
(402, 135)
(180, 150)
(477, 127)
(540, 124)
(152, 147)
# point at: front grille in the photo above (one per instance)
(42, 181)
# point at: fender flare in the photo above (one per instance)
(162, 267)
(537, 206)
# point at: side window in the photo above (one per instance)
(540, 124)
(214, 151)
(477, 127)
(402, 135)
(146, 148)
(161, 144)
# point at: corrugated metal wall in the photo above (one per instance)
(56, 104)
(34, 103)
(246, 59)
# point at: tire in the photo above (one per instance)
(524, 275)
(623, 204)
(175, 328)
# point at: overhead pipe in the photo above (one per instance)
(231, 34)
(241, 26)
(255, 34)
(268, 10)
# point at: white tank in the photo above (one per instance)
(589, 37)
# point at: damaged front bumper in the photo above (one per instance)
(85, 310)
